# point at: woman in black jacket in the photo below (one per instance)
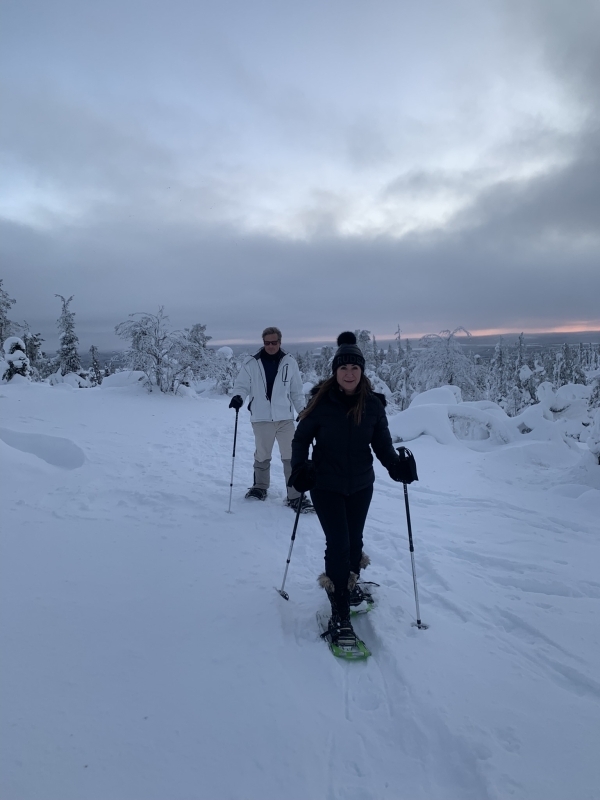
(344, 419)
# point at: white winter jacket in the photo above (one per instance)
(286, 395)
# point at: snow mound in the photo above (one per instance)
(561, 416)
(53, 449)
(591, 501)
(443, 395)
(70, 379)
(120, 379)
(440, 413)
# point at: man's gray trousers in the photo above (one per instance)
(265, 434)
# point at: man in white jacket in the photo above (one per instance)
(271, 379)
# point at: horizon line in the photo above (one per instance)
(572, 328)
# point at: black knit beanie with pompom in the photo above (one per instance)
(348, 352)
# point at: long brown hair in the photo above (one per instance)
(363, 390)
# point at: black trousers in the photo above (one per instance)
(342, 518)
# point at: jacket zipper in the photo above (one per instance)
(264, 379)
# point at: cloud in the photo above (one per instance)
(429, 166)
(237, 283)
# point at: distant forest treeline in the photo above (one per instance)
(509, 375)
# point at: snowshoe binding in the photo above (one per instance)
(361, 598)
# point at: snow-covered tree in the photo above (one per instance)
(442, 361)
(33, 345)
(67, 352)
(391, 354)
(95, 371)
(518, 379)
(201, 360)
(151, 348)
(16, 358)
(6, 302)
(398, 338)
(594, 401)
(322, 364)
(38, 361)
(593, 440)
(377, 354)
(363, 340)
(563, 366)
(498, 371)
(401, 376)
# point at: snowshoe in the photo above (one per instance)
(341, 638)
(306, 507)
(256, 494)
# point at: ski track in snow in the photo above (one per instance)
(148, 655)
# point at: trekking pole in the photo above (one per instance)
(237, 411)
(285, 595)
(418, 623)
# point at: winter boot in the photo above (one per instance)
(256, 493)
(357, 596)
(340, 628)
(306, 507)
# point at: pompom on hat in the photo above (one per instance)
(348, 352)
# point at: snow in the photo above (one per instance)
(71, 379)
(120, 379)
(444, 395)
(525, 373)
(10, 343)
(146, 655)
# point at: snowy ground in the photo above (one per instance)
(146, 656)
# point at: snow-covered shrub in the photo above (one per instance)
(168, 358)
(225, 369)
(16, 359)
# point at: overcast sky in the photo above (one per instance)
(317, 165)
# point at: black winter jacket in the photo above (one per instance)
(342, 456)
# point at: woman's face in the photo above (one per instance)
(348, 377)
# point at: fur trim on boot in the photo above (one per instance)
(352, 580)
(364, 561)
(326, 583)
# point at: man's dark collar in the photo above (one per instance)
(277, 356)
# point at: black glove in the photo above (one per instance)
(236, 402)
(405, 469)
(303, 477)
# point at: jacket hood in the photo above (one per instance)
(313, 392)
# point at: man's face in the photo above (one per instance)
(272, 343)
